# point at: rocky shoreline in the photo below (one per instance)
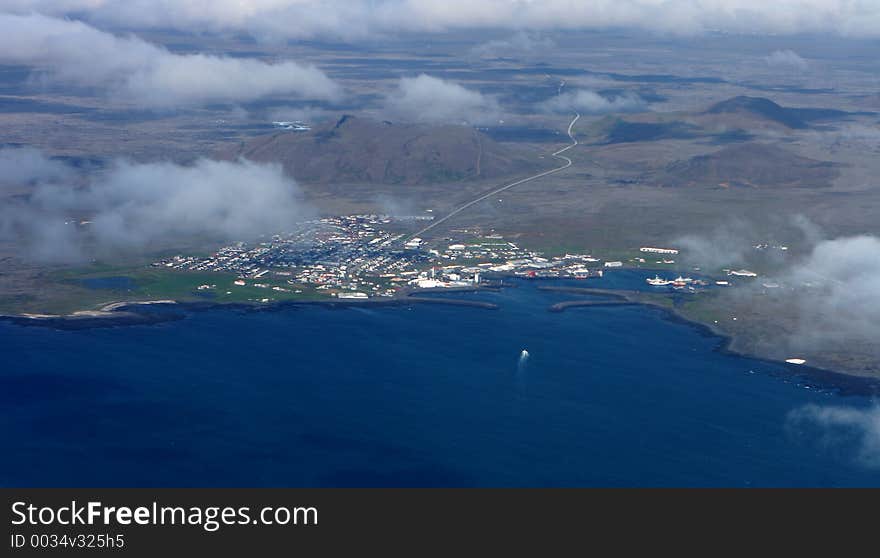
(814, 377)
(127, 313)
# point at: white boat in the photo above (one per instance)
(656, 281)
(795, 361)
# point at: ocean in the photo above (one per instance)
(420, 395)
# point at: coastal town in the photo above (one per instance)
(366, 256)
(363, 256)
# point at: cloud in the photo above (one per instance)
(786, 59)
(429, 99)
(590, 102)
(25, 165)
(732, 243)
(146, 74)
(728, 245)
(307, 114)
(521, 44)
(137, 206)
(849, 430)
(837, 294)
(358, 18)
(825, 306)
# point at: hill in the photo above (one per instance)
(362, 150)
(619, 130)
(758, 108)
(756, 112)
(751, 165)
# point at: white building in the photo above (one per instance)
(429, 283)
(356, 295)
(658, 250)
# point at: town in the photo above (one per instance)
(363, 256)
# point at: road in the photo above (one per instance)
(557, 154)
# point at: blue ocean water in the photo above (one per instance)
(119, 283)
(421, 395)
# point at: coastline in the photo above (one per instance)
(126, 313)
(811, 376)
(151, 312)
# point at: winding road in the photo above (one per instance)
(558, 154)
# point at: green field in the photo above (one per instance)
(149, 283)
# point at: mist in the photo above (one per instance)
(787, 59)
(590, 102)
(437, 101)
(851, 431)
(133, 207)
(728, 245)
(837, 294)
(271, 19)
(828, 295)
(519, 45)
(138, 72)
(25, 165)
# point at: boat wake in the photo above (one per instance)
(523, 360)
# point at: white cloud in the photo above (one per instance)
(841, 428)
(521, 44)
(838, 296)
(429, 99)
(146, 74)
(133, 206)
(786, 59)
(590, 102)
(20, 166)
(353, 18)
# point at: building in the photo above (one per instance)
(658, 250)
(355, 295)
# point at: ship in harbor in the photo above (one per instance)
(657, 281)
(679, 281)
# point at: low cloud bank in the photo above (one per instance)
(145, 74)
(590, 102)
(136, 206)
(520, 45)
(850, 431)
(837, 293)
(26, 165)
(359, 18)
(786, 59)
(828, 289)
(728, 245)
(437, 101)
